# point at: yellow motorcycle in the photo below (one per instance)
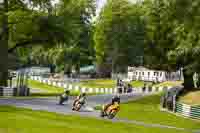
(111, 111)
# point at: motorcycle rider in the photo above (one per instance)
(82, 97)
(64, 97)
(116, 98)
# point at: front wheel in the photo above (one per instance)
(60, 100)
(102, 114)
(78, 107)
(112, 115)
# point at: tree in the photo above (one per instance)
(76, 49)
(8, 40)
(173, 36)
(119, 33)
(37, 22)
(4, 34)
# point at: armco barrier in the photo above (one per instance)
(5, 91)
(188, 111)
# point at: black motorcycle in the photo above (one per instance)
(63, 98)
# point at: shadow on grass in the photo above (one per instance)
(6, 108)
(148, 100)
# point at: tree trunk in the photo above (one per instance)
(4, 46)
(3, 78)
(188, 80)
(198, 80)
(104, 70)
(77, 69)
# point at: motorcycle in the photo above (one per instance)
(78, 105)
(62, 99)
(111, 111)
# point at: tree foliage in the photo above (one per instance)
(74, 48)
(119, 33)
(173, 36)
(38, 22)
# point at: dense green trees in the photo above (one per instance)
(166, 33)
(173, 36)
(20, 26)
(33, 22)
(119, 36)
(74, 18)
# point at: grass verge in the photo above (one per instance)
(147, 110)
(19, 120)
(107, 83)
(44, 87)
(139, 83)
(192, 97)
(48, 90)
(169, 83)
(99, 83)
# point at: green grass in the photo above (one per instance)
(44, 87)
(191, 98)
(98, 107)
(169, 83)
(99, 83)
(106, 83)
(147, 110)
(18, 120)
(48, 90)
(139, 83)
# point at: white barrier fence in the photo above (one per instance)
(71, 87)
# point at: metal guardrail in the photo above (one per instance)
(169, 102)
(188, 111)
(5, 91)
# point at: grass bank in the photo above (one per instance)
(44, 87)
(48, 90)
(18, 120)
(99, 83)
(192, 97)
(169, 83)
(147, 110)
(139, 83)
(104, 83)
